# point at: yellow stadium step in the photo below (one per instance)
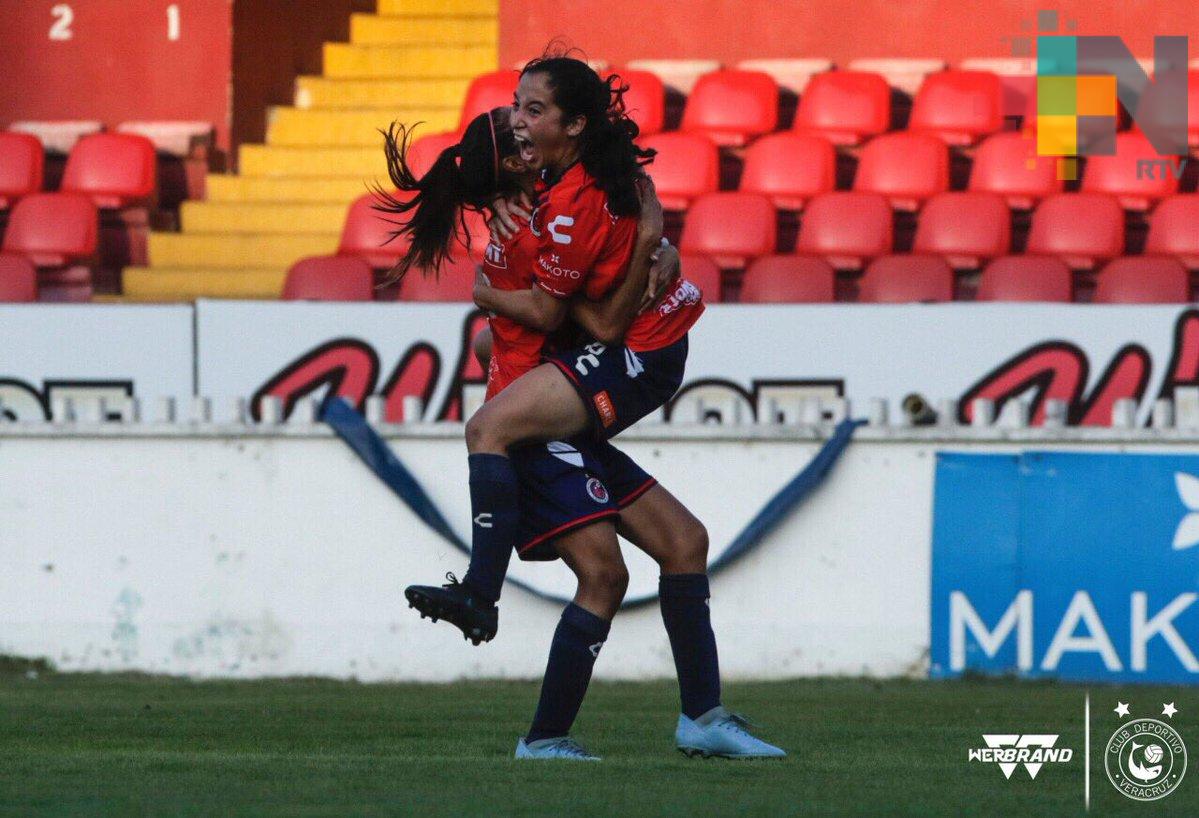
(425, 8)
(320, 92)
(231, 250)
(371, 29)
(187, 283)
(271, 160)
(344, 61)
(274, 217)
(294, 127)
(229, 188)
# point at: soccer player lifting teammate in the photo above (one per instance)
(569, 126)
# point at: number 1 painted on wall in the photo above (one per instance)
(173, 22)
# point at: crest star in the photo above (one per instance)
(1169, 709)
(1121, 709)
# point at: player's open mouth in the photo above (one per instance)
(525, 146)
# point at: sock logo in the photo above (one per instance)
(595, 649)
(483, 520)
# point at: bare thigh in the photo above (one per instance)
(540, 405)
(661, 526)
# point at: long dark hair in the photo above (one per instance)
(466, 176)
(606, 147)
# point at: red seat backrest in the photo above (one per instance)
(1174, 229)
(455, 281)
(687, 166)
(788, 279)
(21, 164)
(1078, 228)
(846, 227)
(1193, 107)
(907, 168)
(958, 106)
(1026, 278)
(366, 233)
(845, 106)
(901, 279)
(732, 107)
(1008, 164)
(645, 101)
(1123, 176)
(52, 229)
(487, 91)
(329, 278)
(1143, 280)
(965, 228)
(18, 278)
(115, 169)
(790, 168)
(730, 228)
(705, 274)
(425, 150)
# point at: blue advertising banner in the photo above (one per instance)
(1072, 566)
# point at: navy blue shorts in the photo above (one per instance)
(619, 386)
(565, 486)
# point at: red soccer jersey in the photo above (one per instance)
(515, 349)
(582, 246)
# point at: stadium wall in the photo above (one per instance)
(623, 30)
(219, 550)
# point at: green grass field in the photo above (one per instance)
(140, 745)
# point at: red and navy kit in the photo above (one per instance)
(563, 485)
(583, 248)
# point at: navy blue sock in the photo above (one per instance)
(494, 518)
(684, 600)
(577, 642)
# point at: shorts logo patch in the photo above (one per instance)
(596, 490)
(607, 412)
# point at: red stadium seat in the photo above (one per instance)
(904, 74)
(365, 234)
(115, 170)
(703, 273)
(845, 228)
(1174, 229)
(1078, 228)
(52, 229)
(1143, 280)
(687, 166)
(845, 107)
(1193, 108)
(455, 281)
(788, 279)
(1008, 164)
(790, 168)
(329, 278)
(907, 168)
(732, 107)
(900, 279)
(424, 150)
(21, 165)
(730, 228)
(1026, 278)
(18, 277)
(958, 106)
(487, 91)
(1121, 175)
(645, 101)
(965, 228)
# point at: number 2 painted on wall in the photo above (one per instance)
(63, 17)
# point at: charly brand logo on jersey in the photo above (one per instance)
(535, 222)
(556, 231)
(1145, 759)
(1009, 750)
(596, 490)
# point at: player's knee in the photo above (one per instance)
(607, 578)
(693, 548)
(481, 433)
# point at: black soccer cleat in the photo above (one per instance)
(476, 617)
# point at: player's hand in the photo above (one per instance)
(482, 285)
(663, 273)
(653, 220)
(505, 212)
